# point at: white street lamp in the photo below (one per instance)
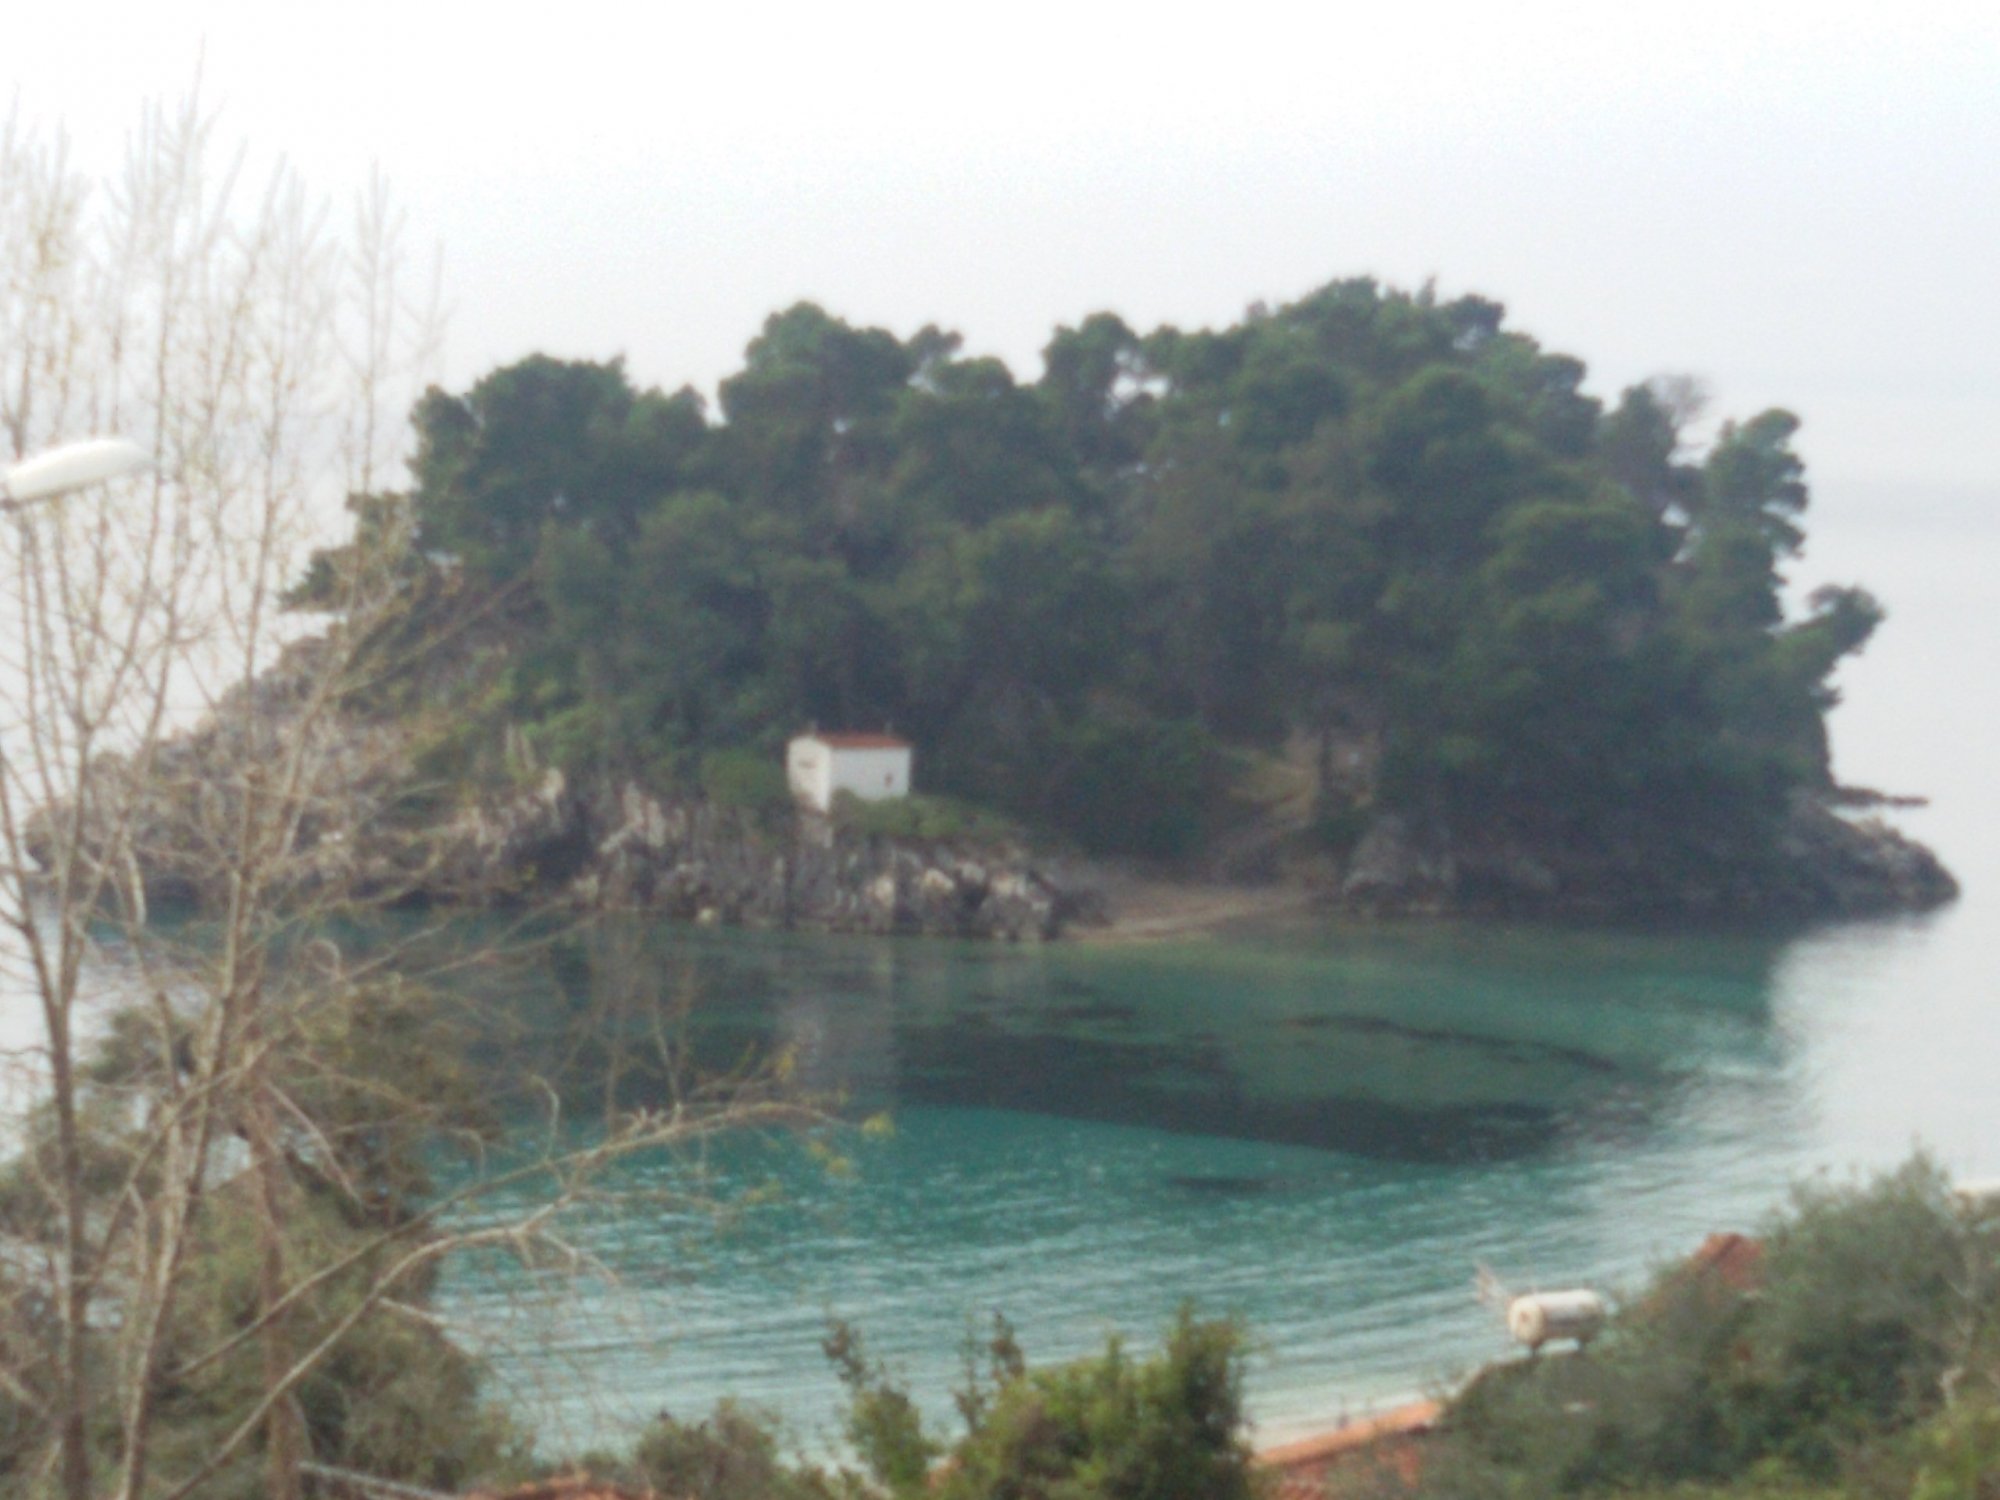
(57, 471)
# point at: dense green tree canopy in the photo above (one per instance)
(1372, 522)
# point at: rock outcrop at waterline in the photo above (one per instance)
(628, 849)
(1823, 864)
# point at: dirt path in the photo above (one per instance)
(1144, 911)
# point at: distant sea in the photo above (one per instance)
(1326, 1130)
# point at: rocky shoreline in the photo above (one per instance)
(1823, 865)
(370, 835)
(628, 849)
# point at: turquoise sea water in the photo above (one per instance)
(1325, 1130)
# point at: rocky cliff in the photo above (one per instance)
(1824, 863)
(623, 847)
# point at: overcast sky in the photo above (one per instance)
(1798, 202)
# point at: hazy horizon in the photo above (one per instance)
(1793, 203)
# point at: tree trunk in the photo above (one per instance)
(75, 1393)
(284, 1438)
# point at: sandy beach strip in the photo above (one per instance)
(1142, 910)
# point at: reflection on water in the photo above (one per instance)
(1421, 1046)
(1325, 1132)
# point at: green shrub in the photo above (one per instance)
(1168, 1428)
(1961, 1453)
(923, 817)
(393, 1397)
(1857, 1320)
(1769, 1483)
(570, 737)
(744, 779)
(1110, 1428)
(733, 1454)
(883, 1422)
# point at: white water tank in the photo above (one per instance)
(1536, 1318)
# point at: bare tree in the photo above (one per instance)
(182, 775)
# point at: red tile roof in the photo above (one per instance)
(1313, 1468)
(1736, 1260)
(845, 741)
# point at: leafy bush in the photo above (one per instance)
(745, 779)
(1168, 1428)
(733, 1454)
(1961, 1453)
(394, 1397)
(883, 1422)
(923, 817)
(1165, 1428)
(1862, 1310)
(389, 1394)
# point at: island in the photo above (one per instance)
(1363, 598)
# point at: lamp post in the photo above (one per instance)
(73, 466)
